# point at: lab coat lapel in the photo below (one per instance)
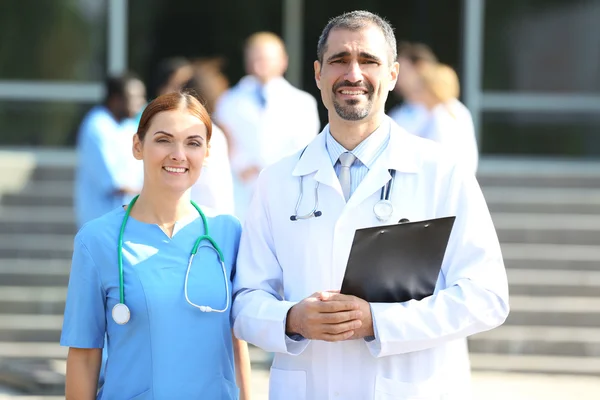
(399, 155)
(316, 158)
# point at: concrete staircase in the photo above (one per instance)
(36, 243)
(547, 215)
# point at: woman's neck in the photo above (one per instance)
(162, 209)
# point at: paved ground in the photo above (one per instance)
(486, 386)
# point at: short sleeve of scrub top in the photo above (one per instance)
(84, 322)
(169, 348)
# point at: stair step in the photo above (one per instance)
(554, 311)
(30, 328)
(550, 222)
(40, 215)
(554, 282)
(32, 300)
(530, 228)
(32, 350)
(45, 246)
(541, 196)
(551, 252)
(542, 200)
(540, 340)
(23, 272)
(529, 363)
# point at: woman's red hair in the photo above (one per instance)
(174, 101)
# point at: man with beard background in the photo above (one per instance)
(334, 346)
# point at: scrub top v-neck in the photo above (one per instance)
(168, 349)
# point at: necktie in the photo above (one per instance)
(346, 160)
(260, 95)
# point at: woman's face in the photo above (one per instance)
(173, 150)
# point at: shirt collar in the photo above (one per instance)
(367, 151)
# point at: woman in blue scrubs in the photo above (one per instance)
(170, 335)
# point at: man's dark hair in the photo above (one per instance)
(115, 85)
(354, 21)
(164, 70)
(416, 52)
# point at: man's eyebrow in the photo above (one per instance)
(364, 54)
(338, 55)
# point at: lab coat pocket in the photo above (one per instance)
(389, 389)
(287, 385)
(145, 395)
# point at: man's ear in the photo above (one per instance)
(317, 65)
(137, 147)
(395, 70)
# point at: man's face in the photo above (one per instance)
(135, 98)
(356, 74)
(266, 60)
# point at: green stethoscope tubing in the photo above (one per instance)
(206, 236)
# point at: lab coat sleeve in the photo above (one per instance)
(84, 323)
(475, 293)
(259, 310)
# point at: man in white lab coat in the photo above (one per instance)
(334, 346)
(265, 116)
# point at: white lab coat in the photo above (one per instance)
(280, 262)
(214, 188)
(259, 135)
(449, 124)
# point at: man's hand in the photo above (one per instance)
(319, 317)
(366, 327)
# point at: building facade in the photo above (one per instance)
(529, 69)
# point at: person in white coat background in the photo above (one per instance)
(329, 345)
(411, 114)
(449, 121)
(431, 108)
(265, 117)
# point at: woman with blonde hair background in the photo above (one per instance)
(450, 122)
(431, 108)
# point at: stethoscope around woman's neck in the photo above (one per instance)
(383, 209)
(121, 312)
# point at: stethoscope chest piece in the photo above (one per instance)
(121, 314)
(383, 210)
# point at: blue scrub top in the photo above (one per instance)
(97, 176)
(168, 349)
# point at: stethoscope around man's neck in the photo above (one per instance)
(121, 312)
(383, 209)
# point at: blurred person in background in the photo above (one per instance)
(170, 75)
(214, 188)
(101, 181)
(431, 108)
(411, 114)
(449, 121)
(164, 343)
(266, 117)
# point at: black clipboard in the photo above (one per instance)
(397, 263)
